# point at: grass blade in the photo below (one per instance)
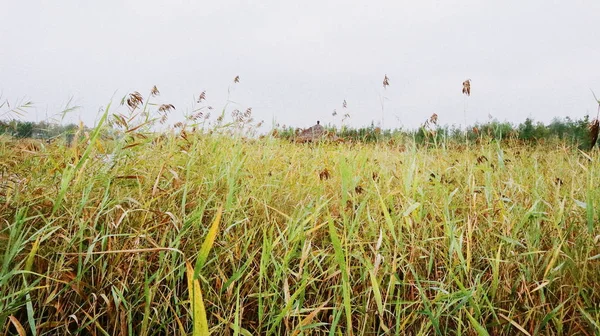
(515, 324)
(17, 325)
(70, 172)
(208, 243)
(341, 261)
(481, 331)
(308, 319)
(200, 322)
(376, 292)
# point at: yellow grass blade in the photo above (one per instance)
(208, 243)
(515, 324)
(376, 292)
(200, 322)
(308, 319)
(17, 325)
(553, 259)
(32, 253)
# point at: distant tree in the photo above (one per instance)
(526, 130)
(4, 127)
(24, 129)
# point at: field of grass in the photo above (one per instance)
(312, 239)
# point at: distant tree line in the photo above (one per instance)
(564, 129)
(37, 130)
(531, 132)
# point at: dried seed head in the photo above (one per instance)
(334, 113)
(165, 108)
(154, 92)
(163, 119)
(236, 79)
(344, 104)
(178, 125)
(196, 116)
(466, 87)
(202, 96)
(386, 81)
(135, 100)
(433, 119)
(324, 174)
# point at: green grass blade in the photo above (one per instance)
(481, 331)
(341, 261)
(70, 172)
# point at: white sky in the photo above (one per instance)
(298, 61)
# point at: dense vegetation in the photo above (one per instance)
(36, 130)
(572, 131)
(313, 239)
(119, 230)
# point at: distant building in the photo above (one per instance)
(313, 133)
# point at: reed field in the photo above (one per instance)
(190, 233)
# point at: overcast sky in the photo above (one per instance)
(298, 61)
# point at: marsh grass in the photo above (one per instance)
(202, 229)
(322, 239)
